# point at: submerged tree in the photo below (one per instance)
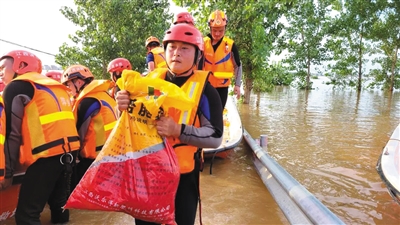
(350, 42)
(304, 37)
(386, 31)
(111, 29)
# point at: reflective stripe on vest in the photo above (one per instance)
(45, 119)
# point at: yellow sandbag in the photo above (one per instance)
(161, 92)
(137, 171)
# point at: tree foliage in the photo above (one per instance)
(349, 41)
(304, 37)
(346, 35)
(253, 25)
(386, 31)
(112, 29)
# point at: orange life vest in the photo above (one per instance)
(48, 125)
(219, 62)
(159, 57)
(2, 139)
(194, 87)
(102, 123)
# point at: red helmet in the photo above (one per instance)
(183, 17)
(119, 64)
(24, 62)
(185, 33)
(76, 71)
(56, 75)
(217, 19)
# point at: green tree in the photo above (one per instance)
(304, 37)
(349, 41)
(386, 31)
(111, 29)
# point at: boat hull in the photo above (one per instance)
(9, 198)
(388, 165)
(233, 132)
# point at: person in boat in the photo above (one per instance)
(186, 17)
(94, 114)
(155, 54)
(221, 56)
(115, 68)
(183, 17)
(182, 44)
(40, 134)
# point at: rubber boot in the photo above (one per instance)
(59, 216)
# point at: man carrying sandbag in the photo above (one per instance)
(187, 131)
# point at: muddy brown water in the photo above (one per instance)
(328, 139)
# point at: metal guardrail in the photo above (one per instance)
(296, 202)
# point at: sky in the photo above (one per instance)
(37, 24)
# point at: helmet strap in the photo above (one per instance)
(116, 76)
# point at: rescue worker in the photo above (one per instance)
(40, 134)
(183, 17)
(56, 75)
(221, 57)
(115, 68)
(203, 127)
(94, 114)
(155, 54)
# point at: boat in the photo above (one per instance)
(9, 198)
(388, 165)
(233, 131)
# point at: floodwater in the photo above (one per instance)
(328, 139)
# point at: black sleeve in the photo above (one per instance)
(18, 87)
(215, 109)
(88, 107)
(17, 95)
(235, 52)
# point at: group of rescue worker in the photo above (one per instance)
(56, 137)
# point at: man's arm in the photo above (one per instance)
(209, 134)
(16, 96)
(87, 108)
(237, 65)
(150, 61)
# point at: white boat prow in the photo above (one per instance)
(388, 165)
(233, 130)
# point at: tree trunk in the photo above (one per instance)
(248, 86)
(391, 85)
(308, 74)
(360, 59)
